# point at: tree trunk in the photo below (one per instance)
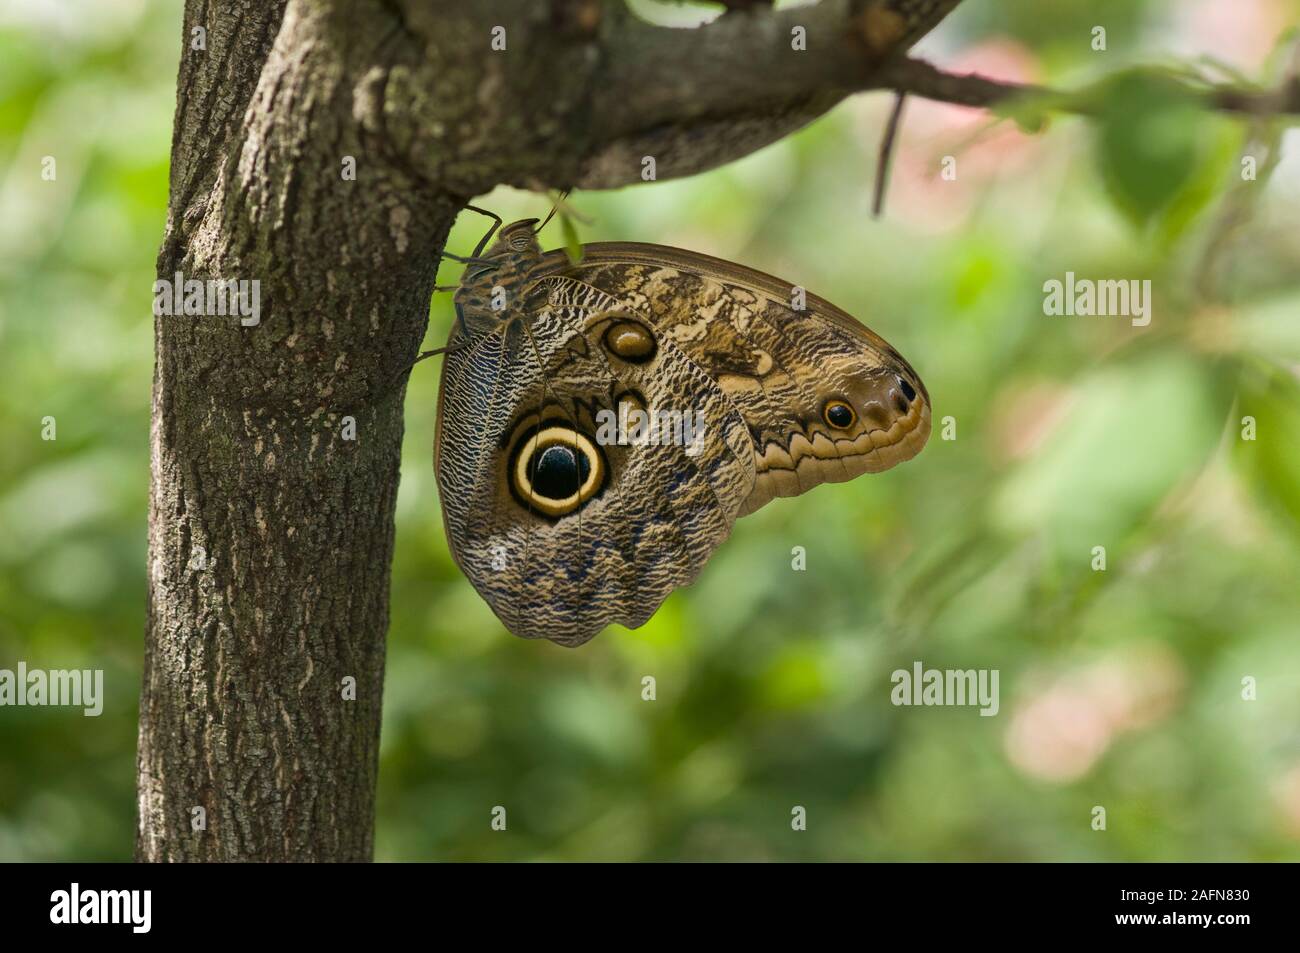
(275, 467)
(276, 444)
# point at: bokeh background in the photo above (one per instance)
(1121, 689)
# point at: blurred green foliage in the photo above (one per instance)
(1120, 688)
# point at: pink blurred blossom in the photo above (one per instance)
(1286, 795)
(984, 151)
(1241, 33)
(1060, 731)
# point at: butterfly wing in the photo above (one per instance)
(561, 529)
(824, 398)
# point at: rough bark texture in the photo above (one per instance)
(271, 531)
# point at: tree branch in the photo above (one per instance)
(921, 78)
(576, 92)
(696, 99)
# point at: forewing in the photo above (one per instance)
(783, 357)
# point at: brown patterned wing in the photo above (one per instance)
(824, 398)
(561, 528)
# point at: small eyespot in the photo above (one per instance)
(839, 414)
(556, 470)
(631, 341)
(906, 387)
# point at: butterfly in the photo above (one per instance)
(603, 424)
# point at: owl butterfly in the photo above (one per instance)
(601, 425)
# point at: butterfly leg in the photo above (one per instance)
(447, 349)
(496, 223)
(471, 260)
(423, 355)
(460, 317)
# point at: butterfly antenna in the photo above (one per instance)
(554, 208)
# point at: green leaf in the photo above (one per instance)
(1029, 113)
(1267, 444)
(1134, 431)
(1217, 153)
(1268, 328)
(1148, 142)
(572, 245)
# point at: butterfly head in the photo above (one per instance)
(492, 280)
(516, 239)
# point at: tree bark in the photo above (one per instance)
(276, 445)
(271, 517)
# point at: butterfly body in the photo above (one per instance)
(562, 519)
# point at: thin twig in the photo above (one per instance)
(924, 79)
(886, 153)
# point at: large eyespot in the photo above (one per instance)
(630, 340)
(556, 469)
(839, 414)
